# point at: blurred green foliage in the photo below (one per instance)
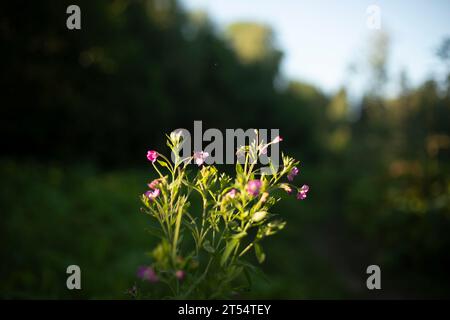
(57, 216)
(79, 109)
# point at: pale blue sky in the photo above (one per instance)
(320, 38)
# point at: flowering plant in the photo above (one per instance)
(201, 250)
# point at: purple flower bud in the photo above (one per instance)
(292, 173)
(302, 192)
(277, 139)
(147, 273)
(152, 194)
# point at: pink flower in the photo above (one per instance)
(253, 187)
(277, 139)
(301, 195)
(180, 274)
(152, 155)
(263, 148)
(232, 193)
(154, 183)
(199, 157)
(147, 273)
(292, 173)
(152, 194)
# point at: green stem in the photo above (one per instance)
(160, 174)
(168, 163)
(246, 249)
(177, 232)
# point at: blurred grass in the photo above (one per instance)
(55, 216)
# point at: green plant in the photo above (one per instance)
(201, 250)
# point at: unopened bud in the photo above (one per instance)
(258, 216)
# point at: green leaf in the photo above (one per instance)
(239, 169)
(208, 247)
(260, 255)
(231, 245)
(162, 163)
(212, 195)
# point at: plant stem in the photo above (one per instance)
(177, 231)
(246, 249)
